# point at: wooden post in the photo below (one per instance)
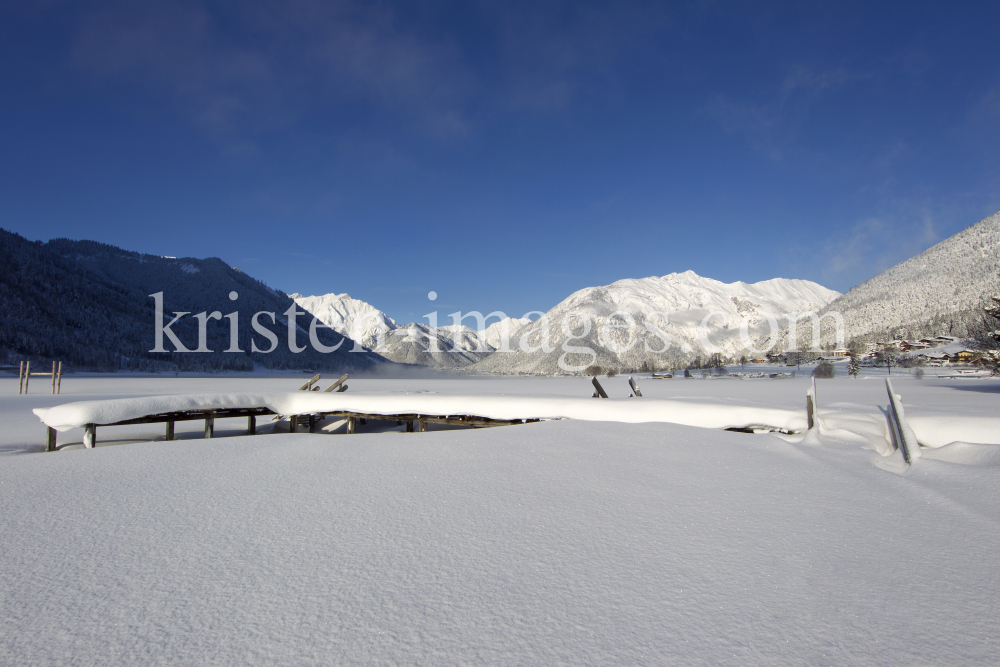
(312, 423)
(409, 427)
(53, 378)
(293, 424)
(423, 426)
(251, 425)
(90, 436)
(811, 405)
(336, 384)
(50, 443)
(59, 381)
(902, 435)
(27, 375)
(20, 378)
(170, 430)
(308, 385)
(352, 426)
(210, 426)
(599, 388)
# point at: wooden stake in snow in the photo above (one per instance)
(600, 390)
(338, 383)
(635, 388)
(811, 407)
(308, 385)
(903, 437)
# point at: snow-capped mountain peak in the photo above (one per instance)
(350, 317)
(699, 315)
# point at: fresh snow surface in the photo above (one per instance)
(562, 542)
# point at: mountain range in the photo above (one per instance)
(941, 291)
(90, 304)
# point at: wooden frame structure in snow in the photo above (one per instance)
(24, 377)
(310, 420)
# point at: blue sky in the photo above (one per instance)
(502, 154)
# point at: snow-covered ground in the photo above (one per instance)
(573, 542)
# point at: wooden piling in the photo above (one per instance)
(170, 430)
(312, 422)
(251, 425)
(20, 378)
(27, 375)
(337, 384)
(409, 427)
(423, 426)
(308, 385)
(352, 425)
(50, 443)
(210, 426)
(293, 423)
(53, 378)
(90, 436)
(811, 405)
(600, 390)
(59, 380)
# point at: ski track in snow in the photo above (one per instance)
(564, 542)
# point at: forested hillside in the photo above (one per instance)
(88, 304)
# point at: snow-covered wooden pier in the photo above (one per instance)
(417, 409)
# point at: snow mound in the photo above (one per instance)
(938, 430)
(966, 453)
(707, 415)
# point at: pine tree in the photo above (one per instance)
(854, 368)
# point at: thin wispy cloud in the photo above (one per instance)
(875, 244)
(771, 117)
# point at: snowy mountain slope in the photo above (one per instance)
(417, 343)
(88, 304)
(673, 307)
(507, 327)
(409, 343)
(349, 317)
(938, 292)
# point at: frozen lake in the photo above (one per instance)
(566, 542)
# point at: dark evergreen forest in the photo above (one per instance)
(88, 304)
